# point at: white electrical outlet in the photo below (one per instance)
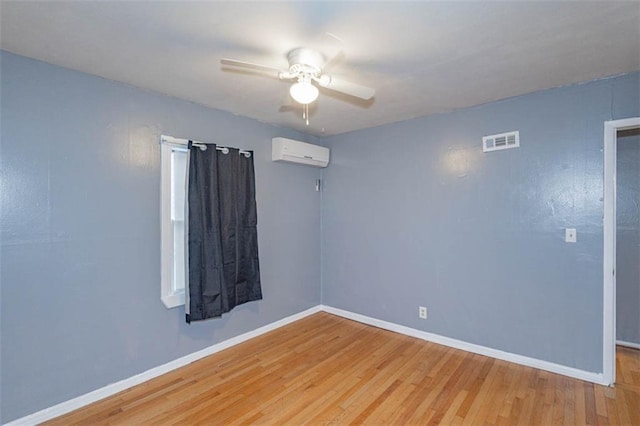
(422, 312)
(570, 235)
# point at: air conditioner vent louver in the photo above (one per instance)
(501, 141)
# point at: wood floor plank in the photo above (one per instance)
(329, 370)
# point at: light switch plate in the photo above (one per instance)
(570, 235)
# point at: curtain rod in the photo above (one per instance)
(201, 145)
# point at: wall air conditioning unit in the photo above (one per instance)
(290, 151)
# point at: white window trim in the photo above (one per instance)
(170, 298)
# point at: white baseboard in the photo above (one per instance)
(470, 347)
(628, 344)
(98, 394)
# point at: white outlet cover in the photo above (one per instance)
(570, 235)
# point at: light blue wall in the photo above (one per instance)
(80, 264)
(628, 238)
(414, 213)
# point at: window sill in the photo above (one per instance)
(173, 300)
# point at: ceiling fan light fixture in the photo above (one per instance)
(304, 92)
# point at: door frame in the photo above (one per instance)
(609, 261)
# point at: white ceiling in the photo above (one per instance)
(421, 57)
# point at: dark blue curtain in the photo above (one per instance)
(222, 233)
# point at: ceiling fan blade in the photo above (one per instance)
(251, 65)
(332, 46)
(337, 84)
(336, 59)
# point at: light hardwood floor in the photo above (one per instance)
(325, 369)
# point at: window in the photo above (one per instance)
(173, 168)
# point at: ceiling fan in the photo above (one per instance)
(306, 67)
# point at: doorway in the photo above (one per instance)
(611, 131)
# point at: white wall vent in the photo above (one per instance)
(501, 141)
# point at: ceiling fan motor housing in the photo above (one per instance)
(305, 62)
